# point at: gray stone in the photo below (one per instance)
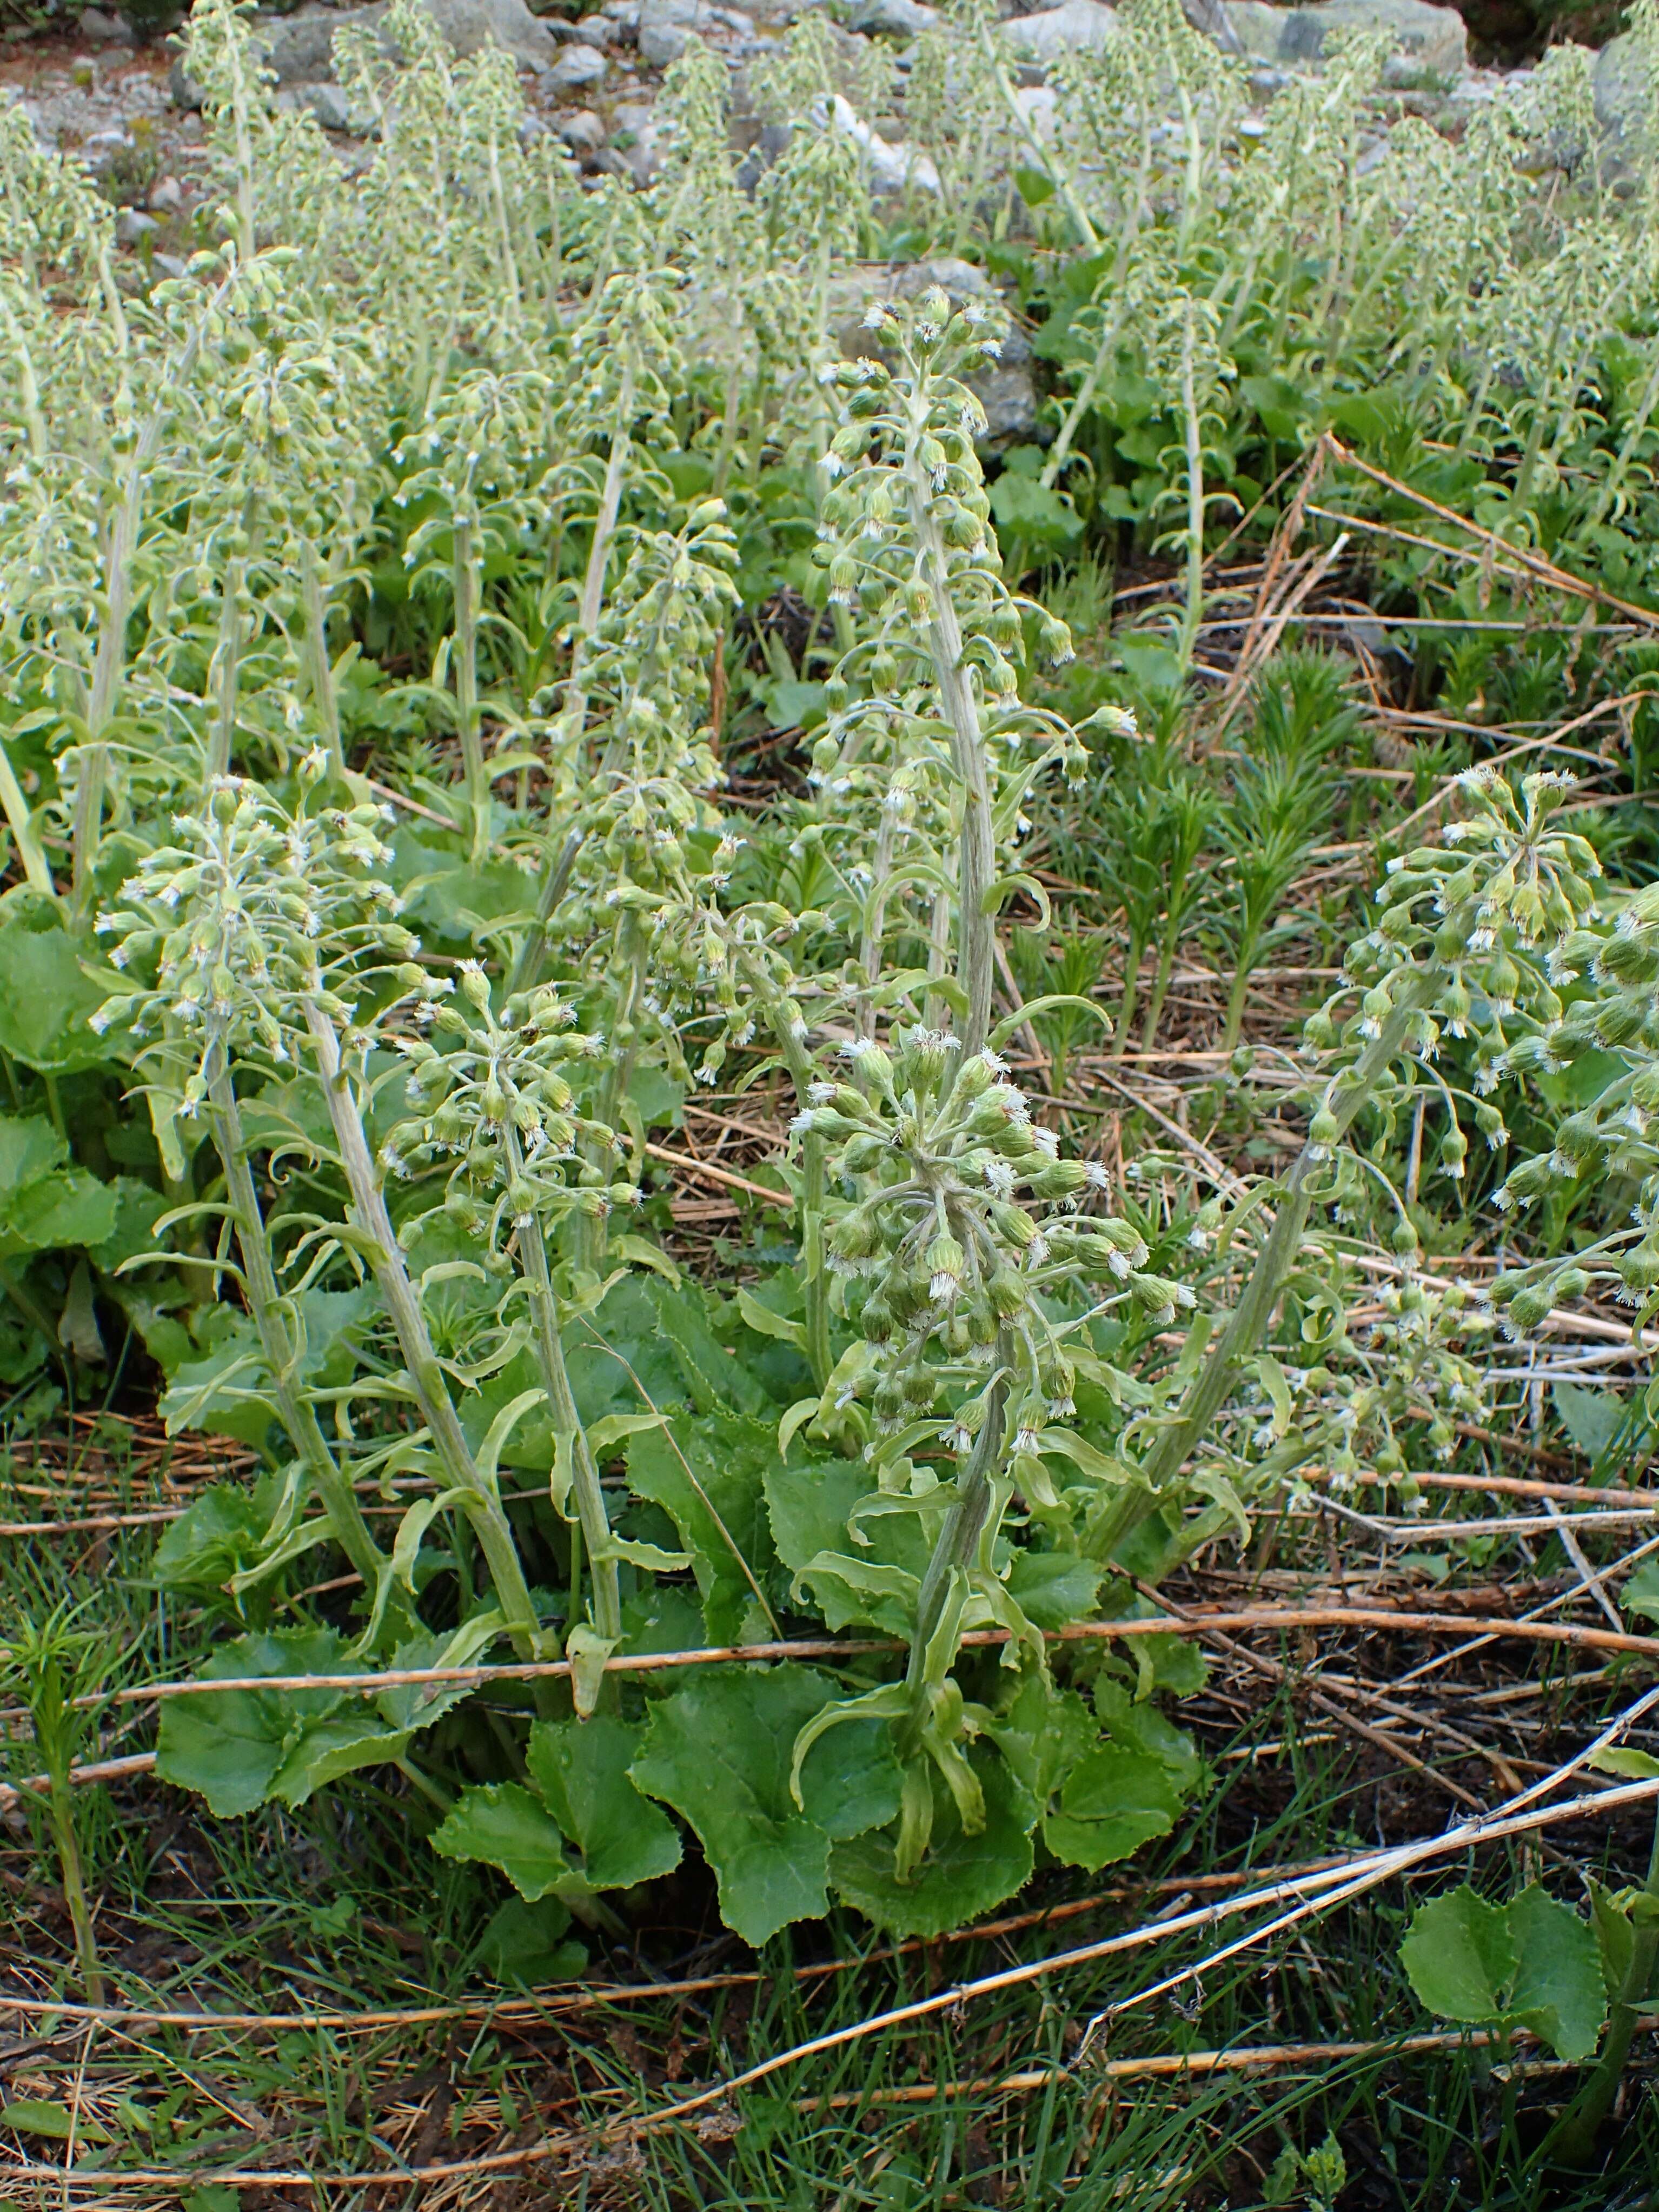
(636, 123)
(326, 101)
(1624, 108)
(166, 196)
(594, 31)
(665, 25)
(1006, 389)
(583, 132)
(299, 49)
(904, 18)
(1039, 108)
(131, 227)
(169, 265)
(1434, 39)
(1078, 24)
(624, 16)
(182, 90)
(576, 68)
(99, 29)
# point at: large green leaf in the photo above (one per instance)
(1053, 1587)
(719, 1752)
(45, 1203)
(46, 1002)
(503, 1824)
(708, 1475)
(580, 1770)
(1531, 1963)
(961, 1876)
(810, 1504)
(1558, 1990)
(238, 1748)
(1111, 1802)
(1459, 1955)
(218, 1534)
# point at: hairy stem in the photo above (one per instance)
(475, 774)
(295, 1410)
(319, 670)
(976, 860)
(1250, 1317)
(592, 1518)
(481, 1505)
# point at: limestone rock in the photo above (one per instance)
(325, 100)
(1053, 31)
(99, 29)
(1624, 108)
(299, 49)
(665, 25)
(1433, 39)
(576, 70)
(583, 132)
(889, 168)
(904, 18)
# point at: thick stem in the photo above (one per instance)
(1195, 607)
(426, 1374)
(584, 1486)
(958, 1543)
(976, 862)
(1249, 1319)
(295, 1410)
(320, 668)
(226, 662)
(475, 774)
(557, 870)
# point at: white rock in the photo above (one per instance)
(904, 18)
(576, 68)
(638, 124)
(99, 29)
(1079, 25)
(583, 132)
(1039, 107)
(131, 227)
(166, 196)
(326, 101)
(1435, 39)
(665, 25)
(889, 168)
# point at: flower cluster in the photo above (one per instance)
(970, 1229)
(252, 914)
(492, 1096)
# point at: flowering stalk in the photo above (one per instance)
(296, 1410)
(478, 1497)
